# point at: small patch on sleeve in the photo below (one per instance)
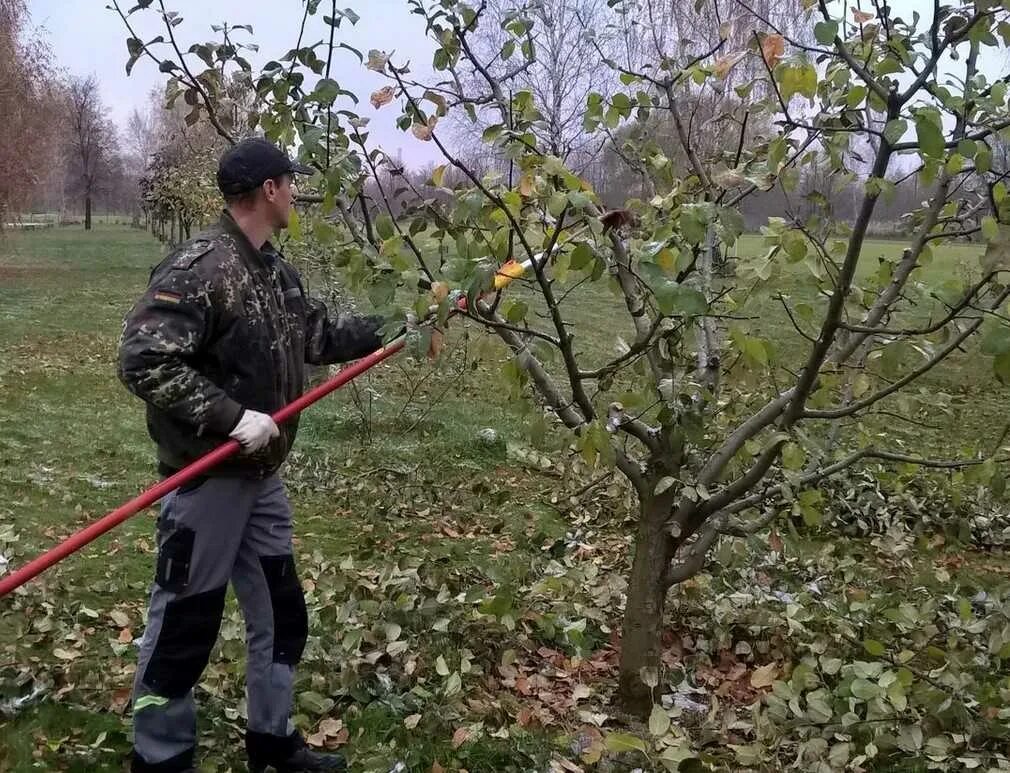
(166, 296)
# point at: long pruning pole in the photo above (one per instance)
(228, 449)
(508, 272)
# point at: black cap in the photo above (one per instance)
(251, 163)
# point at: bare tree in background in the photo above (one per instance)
(92, 145)
(566, 69)
(28, 107)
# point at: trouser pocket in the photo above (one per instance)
(175, 556)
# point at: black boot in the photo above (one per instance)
(288, 755)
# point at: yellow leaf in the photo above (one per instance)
(526, 185)
(764, 676)
(382, 97)
(438, 175)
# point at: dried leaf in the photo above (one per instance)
(424, 131)
(861, 17)
(526, 185)
(725, 64)
(382, 97)
(775, 542)
(377, 60)
(460, 737)
(125, 636)
(764, 676)
(772, 49)
(411, 722)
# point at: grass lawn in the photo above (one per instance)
(462, 605)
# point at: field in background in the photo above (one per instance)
(435, 564)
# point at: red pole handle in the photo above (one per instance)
(76, 541)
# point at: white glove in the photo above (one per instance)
(254, 430)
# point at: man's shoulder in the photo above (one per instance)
(206, 251)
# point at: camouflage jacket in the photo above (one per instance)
(224, 327)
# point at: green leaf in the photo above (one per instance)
(825, 32)
(793, 456)
(315, 703)
(797, 79)
(441, 667)
(556, 203)
(581, 256)
(517, 312)
(1001, 367)
(990, 228)
(676, 299)
(996, 341)
(294, 225)
(929, 135)
(864, 689)
(874, 647)
(795, 245)
(453, 685)
(326, 91)
(659, 721)
(895, 130)
(384, 227)
(491, 133)
(625, 742)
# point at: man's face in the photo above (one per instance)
(280, 196)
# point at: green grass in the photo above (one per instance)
(403, 518)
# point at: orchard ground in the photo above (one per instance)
(464, 593)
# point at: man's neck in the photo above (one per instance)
(256, 230)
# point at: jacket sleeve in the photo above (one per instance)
(167, 328)
(338, 338)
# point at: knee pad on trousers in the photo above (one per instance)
(188, 632)
(291, 621)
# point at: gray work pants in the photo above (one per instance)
(210, 533)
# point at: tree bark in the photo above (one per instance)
(87, 212)
(641, 640)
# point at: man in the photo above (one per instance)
(217, 344)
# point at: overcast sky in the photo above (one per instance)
(87, 38)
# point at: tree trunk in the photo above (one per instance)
(641, 640)
(87, 212)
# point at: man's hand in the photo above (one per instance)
(254, 430)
